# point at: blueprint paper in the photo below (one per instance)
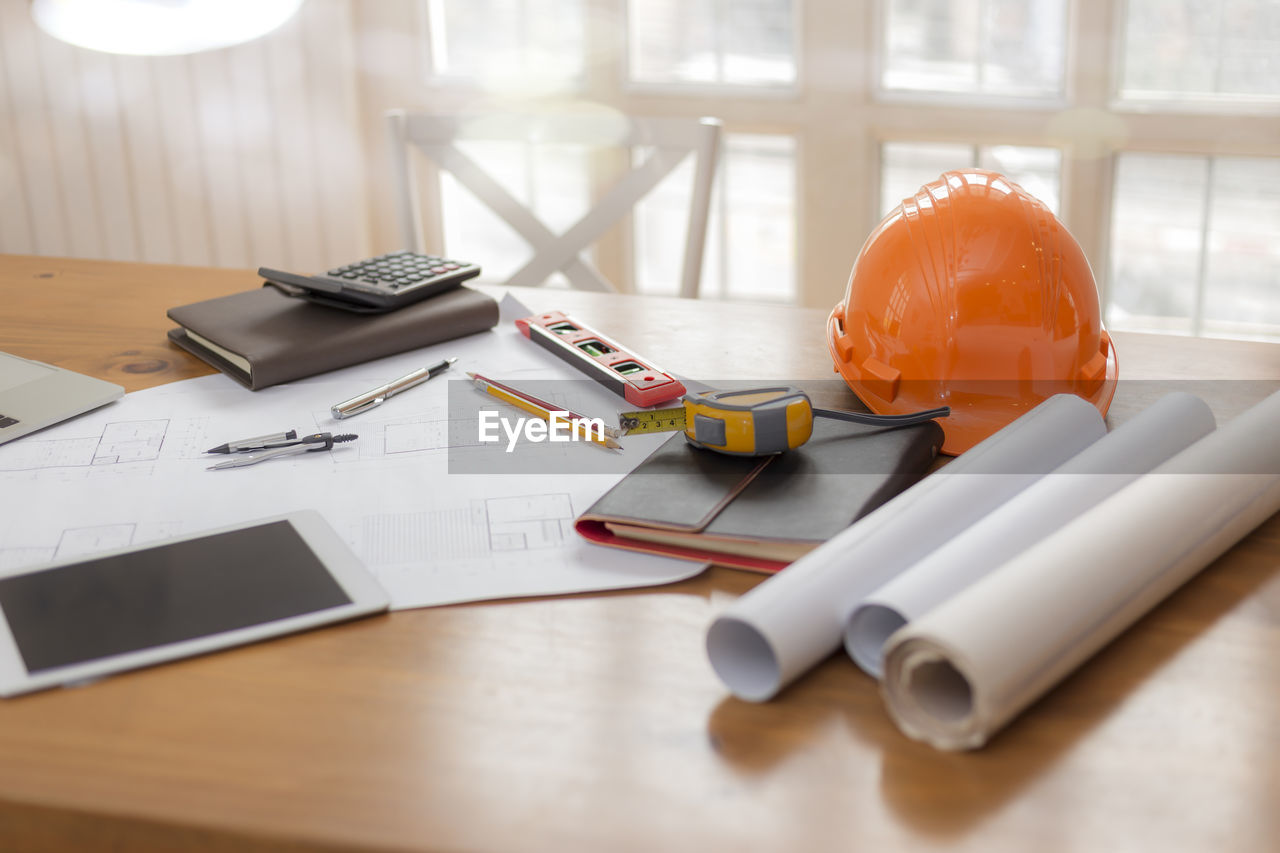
(962, 671)
(777, 631)
(136, 471)
(1151, 438)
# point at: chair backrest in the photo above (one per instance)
(668, 141)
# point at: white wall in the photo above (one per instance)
(242, 157)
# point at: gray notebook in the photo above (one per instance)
(759, 513)
(34, 395)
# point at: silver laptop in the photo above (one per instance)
(34, 395)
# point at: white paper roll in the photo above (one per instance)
(964, 669)
(792, 621)
(1086, 479)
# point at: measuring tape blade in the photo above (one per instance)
(658, 420)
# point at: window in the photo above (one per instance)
(750, 251)
(1207, 51)
(717, 42)
(1194, 247)
(980, 47)
(1148, 126)
(520, 44)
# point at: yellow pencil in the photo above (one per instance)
(520, 402)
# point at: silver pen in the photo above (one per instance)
(369, 399)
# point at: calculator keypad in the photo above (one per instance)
(396, 270)
(382, 283)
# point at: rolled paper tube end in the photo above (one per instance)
(930, 698)
(866, 634)
(743, 659)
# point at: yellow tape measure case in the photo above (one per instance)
(758, 422)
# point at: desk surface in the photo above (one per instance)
(594, 722)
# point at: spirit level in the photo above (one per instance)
(609, 363)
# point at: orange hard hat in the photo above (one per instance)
(971, 294)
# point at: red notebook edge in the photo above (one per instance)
(595, 532)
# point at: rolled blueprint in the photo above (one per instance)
(963, 670)
(1097, 472)
(775, 632)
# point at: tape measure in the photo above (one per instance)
(755, 422)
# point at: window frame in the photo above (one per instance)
(792, 91)
(839, 115)
(1175, 104)
(931, 97)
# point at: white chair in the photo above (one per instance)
(668, 141)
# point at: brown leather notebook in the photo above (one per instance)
(759, 513)
(263, 337)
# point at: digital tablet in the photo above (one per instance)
(134, 607)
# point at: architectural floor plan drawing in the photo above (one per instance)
(456, 533)
(416, 435)
(102, 442)
(483, 528)
(83, 541)
(72, 542)
(130, 441)
(385, 434)
(137, 471)
(117, 442)
(529, 522)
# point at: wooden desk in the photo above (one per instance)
(594, 722)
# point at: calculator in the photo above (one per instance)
(382, 283)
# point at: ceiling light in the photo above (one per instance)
(160, 27)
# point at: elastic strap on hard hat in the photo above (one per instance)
(884, 420)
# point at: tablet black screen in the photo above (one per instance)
(165, 594)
